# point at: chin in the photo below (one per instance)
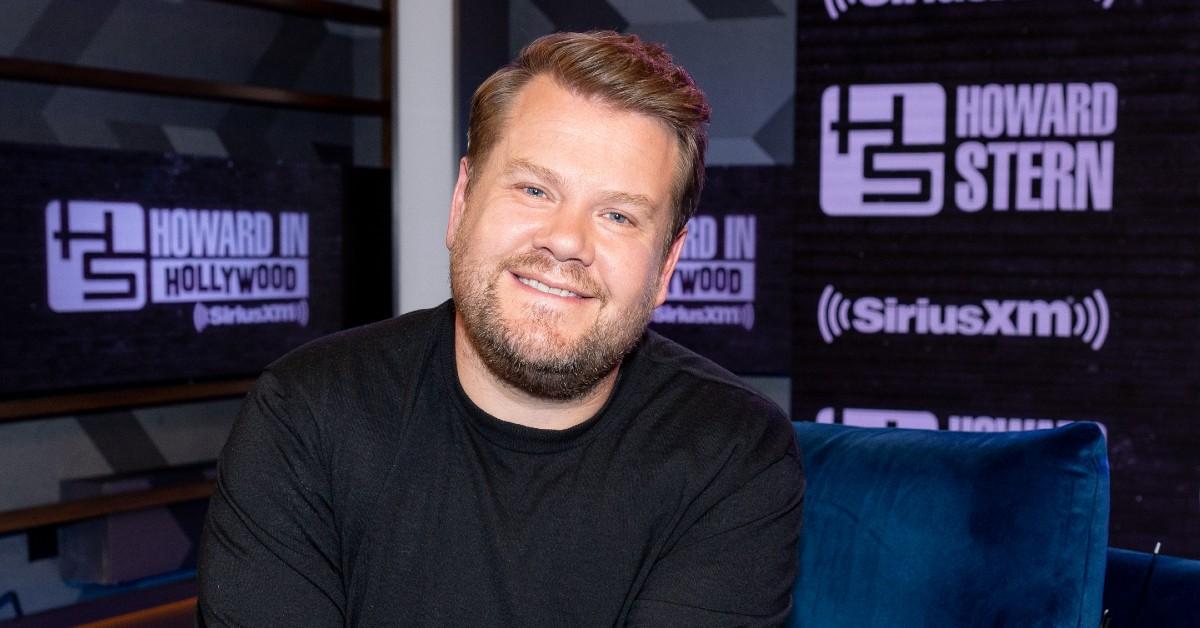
(541, 340)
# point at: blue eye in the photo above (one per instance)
(532, 191)
(617, 217)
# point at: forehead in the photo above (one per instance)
(547, 122)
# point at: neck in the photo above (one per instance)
(508, 403)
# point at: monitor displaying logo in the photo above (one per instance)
(126, 268)
(95, 256)
(883, 150)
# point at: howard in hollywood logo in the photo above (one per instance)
(908, 150)
(105, 256)
(713, 282)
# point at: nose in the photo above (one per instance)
(566, 233)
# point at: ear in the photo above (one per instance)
(668, 268)
(458, 202)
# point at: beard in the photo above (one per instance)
(531, 354)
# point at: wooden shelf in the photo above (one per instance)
(145, 608)
(180, 613)
(50, 405)
(15, 69)
(80, 509)
(336, 11)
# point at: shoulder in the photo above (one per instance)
(345, 394)
(361, 376)
(707, 403)
(709, 439)
(686, 371)
(348, 354)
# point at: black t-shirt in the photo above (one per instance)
(361, 486)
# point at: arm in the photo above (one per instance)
(736, 564)
(269, 552)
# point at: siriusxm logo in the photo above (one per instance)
(222, 315)
(835, 8)
(924, 420)
(910, 150)
(1086, 319)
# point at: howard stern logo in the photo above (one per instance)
(924, 420)
(114, 256)
(1084, 319)
(901, 150)
(835, 8)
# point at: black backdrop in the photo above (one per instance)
(1094, 295)
(1141, 255)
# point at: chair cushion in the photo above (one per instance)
(927, 528)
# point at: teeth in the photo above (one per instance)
(537, 285)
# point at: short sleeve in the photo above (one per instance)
(269, 552)
(736, 564)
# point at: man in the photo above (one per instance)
(526, 454)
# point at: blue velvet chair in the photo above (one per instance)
(945, 529)
(1141, 589)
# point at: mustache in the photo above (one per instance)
(577, 279)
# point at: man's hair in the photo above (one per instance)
(622, 71)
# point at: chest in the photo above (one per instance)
(561, 538)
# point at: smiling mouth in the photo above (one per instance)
(541, 287)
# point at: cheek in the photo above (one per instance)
(504, 228)
(633, 272)
(488, 238)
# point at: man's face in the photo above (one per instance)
(557, 258)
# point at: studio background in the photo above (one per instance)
(805, 320)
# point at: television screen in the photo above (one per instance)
(122, 269)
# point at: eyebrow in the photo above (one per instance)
(625, 198)
(519, 165)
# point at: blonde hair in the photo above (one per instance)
(622, 71)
